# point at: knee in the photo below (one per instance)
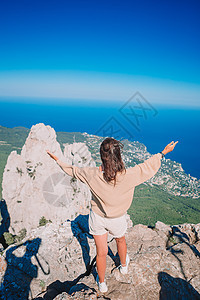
(102, 252)
(120, 240)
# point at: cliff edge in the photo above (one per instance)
(57, 261)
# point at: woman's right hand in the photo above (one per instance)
(52, 155)
(169, 147)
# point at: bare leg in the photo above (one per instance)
(102, 251)
(122, 249)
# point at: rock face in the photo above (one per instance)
(35, 186)
(57, 261)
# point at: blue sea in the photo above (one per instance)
(153, 125)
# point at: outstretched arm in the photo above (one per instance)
(68, 169)
(74, 171)
(146, 170)
(52, 155)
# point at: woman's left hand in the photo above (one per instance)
(51, 155)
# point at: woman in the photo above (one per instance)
(112, 188)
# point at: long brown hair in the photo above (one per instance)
(110, 151)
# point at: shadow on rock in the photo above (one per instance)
(80, 229)
(20, 270)
(5, 222)
(176, 288)
(56, 288)
(183, 238)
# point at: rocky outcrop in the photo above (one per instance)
(34, 186)
(57, 261)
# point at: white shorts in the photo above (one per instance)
(99, 225)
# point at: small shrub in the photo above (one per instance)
(12, 239)
(19, 171)
(73, 179)
(84, 159)
(21, 235)
(9, 238)
(32, 170)
(172, 240)
(42, 284)
(43, 221)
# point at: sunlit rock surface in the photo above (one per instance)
(57, 261)
(35, 186)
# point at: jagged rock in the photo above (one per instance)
(57, 261)
(197, 231)
(197, 245)
(166, 229)
(192, 232)
(35, 186)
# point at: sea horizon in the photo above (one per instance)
(155, 127)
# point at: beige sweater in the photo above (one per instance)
(108, 200)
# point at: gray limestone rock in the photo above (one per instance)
(35, 186)
(57, 261)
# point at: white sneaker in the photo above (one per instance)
(124, 270)
(101, 285)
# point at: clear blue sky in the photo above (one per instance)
(107, 48)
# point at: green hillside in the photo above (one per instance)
(150, 203)
(69, 137)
